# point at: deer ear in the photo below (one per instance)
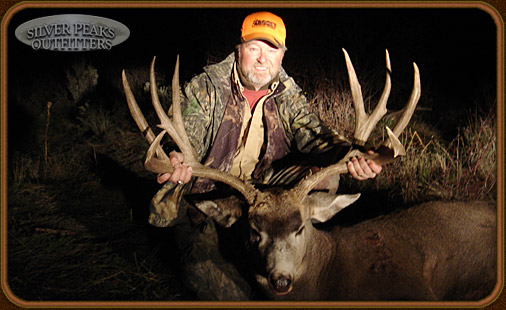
(325, 211)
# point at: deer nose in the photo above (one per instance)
(280, 284)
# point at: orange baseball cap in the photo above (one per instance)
(264, 26)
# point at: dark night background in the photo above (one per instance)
(455, 49)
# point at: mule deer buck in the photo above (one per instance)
(429, 252)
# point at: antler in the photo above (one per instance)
(389, 150)
(156, 159)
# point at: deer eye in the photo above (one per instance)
(300, 230)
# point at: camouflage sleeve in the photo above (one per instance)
(311, 136)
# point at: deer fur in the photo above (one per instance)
(432, 251)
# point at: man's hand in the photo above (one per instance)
(181, 174)
(362, 169)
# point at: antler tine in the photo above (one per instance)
(411, 105)
(177, 115)
(162, 116)
(392, 142)
(365, 124)
(137, 115)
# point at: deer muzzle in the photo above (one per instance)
(280, 284)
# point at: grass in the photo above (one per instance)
(78, 194)
(78, 198)
(75, 235)
(433, 169)
(80, 238)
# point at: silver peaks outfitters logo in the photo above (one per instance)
(72, 32)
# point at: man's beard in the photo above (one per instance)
(259, 81)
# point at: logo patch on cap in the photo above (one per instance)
(267, 23)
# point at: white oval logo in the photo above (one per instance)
(72, 32)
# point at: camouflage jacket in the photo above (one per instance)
(210, 102)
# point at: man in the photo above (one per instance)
(245, 116)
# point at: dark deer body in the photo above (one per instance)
(433, 251)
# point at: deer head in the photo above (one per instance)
(157, 161)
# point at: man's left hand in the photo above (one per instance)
(362, 169)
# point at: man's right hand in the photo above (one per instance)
(181, 174)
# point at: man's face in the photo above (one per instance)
(260, 62)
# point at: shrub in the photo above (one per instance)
(81, 78)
